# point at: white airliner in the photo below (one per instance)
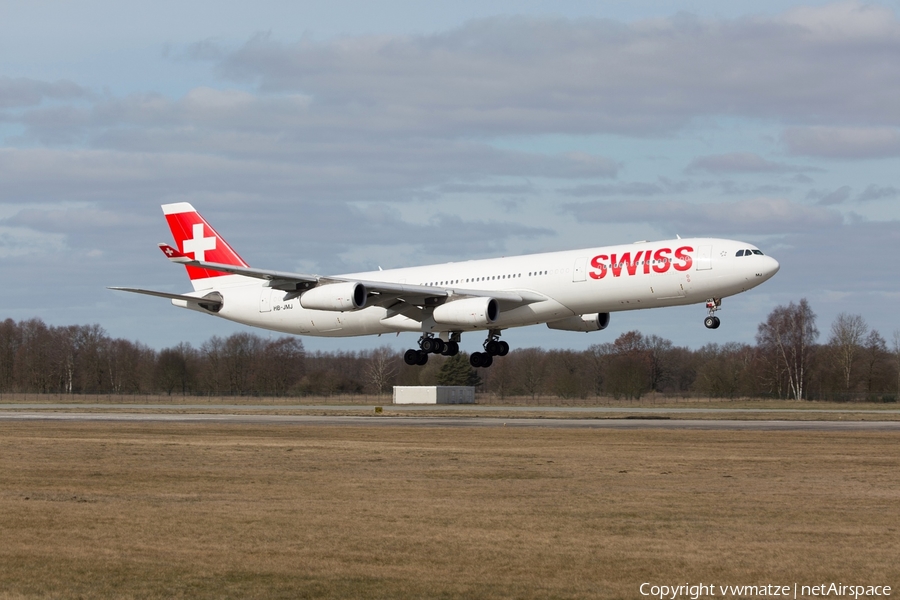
(573, 290)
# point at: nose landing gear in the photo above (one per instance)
(712, 305)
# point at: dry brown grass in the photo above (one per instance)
(99, 510)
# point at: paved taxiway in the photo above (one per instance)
(454, 421)
(461, 408)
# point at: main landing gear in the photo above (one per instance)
(428, 344)
(493, 346)
(712, 321)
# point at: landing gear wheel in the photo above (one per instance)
(427, 345)
(481, 359)
(713, 305)
(423, 358)
(493, 346)
(438, 346)
(712, 322)
(411, 357)
(451, 349)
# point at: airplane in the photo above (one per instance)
(572, 290)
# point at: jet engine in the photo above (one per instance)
(467, 313)
(591, 322)
(345, 296)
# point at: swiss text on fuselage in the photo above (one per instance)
(660, 261)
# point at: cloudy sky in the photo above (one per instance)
(355, 135)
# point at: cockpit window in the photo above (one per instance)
(758, 252)
(740, 253)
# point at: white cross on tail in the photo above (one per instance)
(199, 244)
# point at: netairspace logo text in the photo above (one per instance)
(710, 590)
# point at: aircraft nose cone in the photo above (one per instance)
(772, 267)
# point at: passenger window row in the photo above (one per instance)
(486, 278)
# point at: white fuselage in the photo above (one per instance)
(596, 280)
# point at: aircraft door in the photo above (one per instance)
(578, 270)
(704, 258)
(668, 285)
(265, 300)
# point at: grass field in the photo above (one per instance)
(101, 510)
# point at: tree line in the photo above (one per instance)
(788, 361)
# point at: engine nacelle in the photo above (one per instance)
(467, 313)
(345, 296)
(591, 322)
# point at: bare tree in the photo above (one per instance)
(34, 368)
(213, 353)
(600, 356)
(896, 348)
(126, 362)
(10, 340)
(725, 370)
(847, 333)
(89, 341)
(788, 335)
(280, 365)
(567, 373)
(874, 352)
(171, 371)
(631, 367)
(531, 370)
(380, 369)
(659, 351)
(503, 376)
(241, 355)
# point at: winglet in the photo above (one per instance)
(173, 254)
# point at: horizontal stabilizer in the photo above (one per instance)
(212, 302)
(174, 254)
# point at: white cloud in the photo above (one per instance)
(741, 162)
(535, 75)
(843, 142)
(63, 220)
(874, 192)
(826, 198)
(21, 241)
(758, 216)
(20, 92)
(669, 187)
(844, 21)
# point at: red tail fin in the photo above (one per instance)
(197, 239)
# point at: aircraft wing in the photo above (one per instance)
(424, 295)
(384, 294)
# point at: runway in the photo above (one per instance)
(453, 421)
(461, 408)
